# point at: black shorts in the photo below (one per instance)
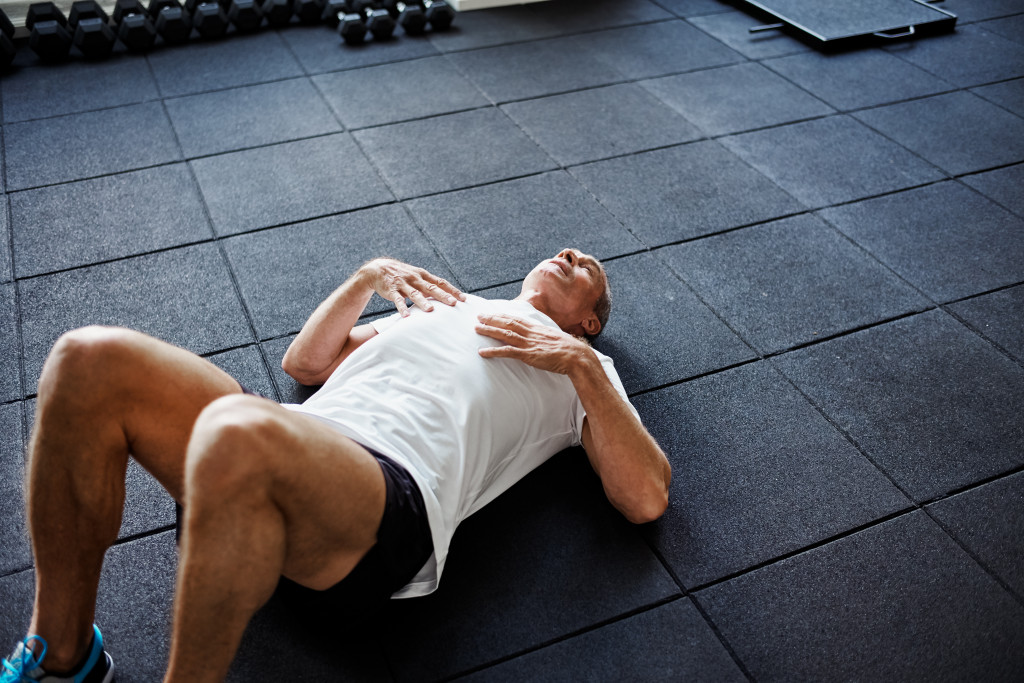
(404, 544)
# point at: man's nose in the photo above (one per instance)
(569, 255)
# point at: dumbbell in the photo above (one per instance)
(90, 29)
(171, 20)
(7, 47)
(354, 25)
(308, 11)
(334, 10)
(410, 17)
(439, 14)
(208, 18)
(49, 37)
(134, 27)
(277, 12)
(246, 15)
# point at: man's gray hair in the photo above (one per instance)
(603, 307)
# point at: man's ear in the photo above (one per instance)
(591, 325)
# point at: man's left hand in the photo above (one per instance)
(537, 345)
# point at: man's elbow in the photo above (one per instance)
(297, 372)
(650, 508)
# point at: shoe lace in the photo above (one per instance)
(24, 661)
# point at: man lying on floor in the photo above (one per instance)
(423, 418)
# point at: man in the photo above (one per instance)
(422, 418)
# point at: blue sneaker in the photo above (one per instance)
(97, 667)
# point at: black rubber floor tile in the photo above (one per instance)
(1002, 186)
(495, 26)
(1007, 27)
(934, 405)
(541, 215)
(733, 29)
(94, 220)
(285, 273)
(246, 365)
(659, 331)
(10, 347)
(989, 521)
(444, 153)
(898, 601)
(831, 160)
(84, 145)
(682, 192)
(969, 57)
(694, 8)
(600, 122)
(858, 78)
(978, 10)
(516, 72)
(289, 182)
(6, 268)
(16, 592)
(999, 316)
(320, 49)
(736, 98)
(790, 282)
(398, 92)
(251, 116)
(15, 549)
(574, 16)
(549, 557)
(957, 132)
(657, 49)
(220, 64)
(183, 296)
(671, 642)
(74, 87)
(1009, 94)
(756, 473)
(920, 235)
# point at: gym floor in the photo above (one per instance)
(818, 268)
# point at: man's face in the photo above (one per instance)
(571, 283)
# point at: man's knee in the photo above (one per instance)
(85, 355)
(232, 447)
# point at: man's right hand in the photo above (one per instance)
(396, 281)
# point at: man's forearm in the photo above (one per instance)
(632, 467)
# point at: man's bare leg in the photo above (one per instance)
(103, 393)
(267, 492)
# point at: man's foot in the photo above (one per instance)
(24, 665)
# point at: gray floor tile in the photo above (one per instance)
(76, 86)
(978, 10)
(320, 49)
(728, 437)
(398, 92)
(831, 160)
(989, 521)
(215, 65)
(15, 549)
(541, 215)
(933, 404)
(858, 78)
(999, 316)
(733, 29)
(790, 282)
(515, 72)
(574, 16)
(958, 132)
(1009, 94)
(683, 192)
(10, 347)
(247, 367)
(16, 591)
(1008, 27)
(898, 601)
(969, 57)
(289, 182)
(600, 122)
(920, 235)
(183, 296)
(736, 98)
(656, 49)
(94, 220)
(285, 273)
(671, 642)
(1002, 186)
(84, 145)
(496, 26)
(659, 331)
(694, 8)
(547, 558)
(250, 116)
(444, 153)
(6, 269)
